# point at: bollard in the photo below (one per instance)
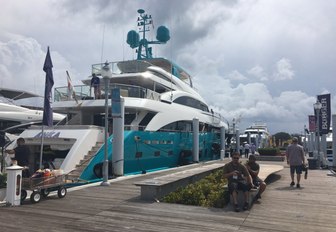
(195, 140)
(222, 153)
(118, 142)
(14, 180)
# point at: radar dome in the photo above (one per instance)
(133, 39)
(162, 34)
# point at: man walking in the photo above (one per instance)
(295, 158)
(247, 149)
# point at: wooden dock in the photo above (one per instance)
(118, 207)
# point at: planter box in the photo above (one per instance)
(268, 151)
(270, 158)
(2, 194)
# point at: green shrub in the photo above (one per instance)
(209, 192)
(3, 180)
(268, 151)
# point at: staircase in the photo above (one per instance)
(74, 175)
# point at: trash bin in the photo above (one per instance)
(312, 163)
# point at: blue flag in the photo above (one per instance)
(47, 110)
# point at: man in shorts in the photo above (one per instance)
(253, 167)
(238, 179)
(295, 158)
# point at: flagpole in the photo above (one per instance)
(42, 142)
(47, 110)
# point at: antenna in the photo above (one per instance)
(171, 64)
(134, 40)
(123, 45)
(102, 51)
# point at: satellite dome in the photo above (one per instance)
(162, 34)
(133, 39)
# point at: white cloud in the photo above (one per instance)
(22, 62)
(236, 76)
(283, 70)
(258, 72)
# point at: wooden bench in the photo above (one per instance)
(265, 171)
(156, 188)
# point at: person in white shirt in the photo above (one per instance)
(247, 149)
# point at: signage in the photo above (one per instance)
(116, 106)
(325, 113)
(312, 123)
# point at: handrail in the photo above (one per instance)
(83, 92)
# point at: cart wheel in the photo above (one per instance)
(35, 197)
(23, 195)
(62, 191)
(45, 192)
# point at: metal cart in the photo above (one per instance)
(42, 186)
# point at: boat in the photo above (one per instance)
(17, 117)
(257, 134)
(160, 104)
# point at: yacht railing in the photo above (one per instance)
(129, 66)
(84, 92)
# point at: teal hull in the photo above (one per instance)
(156, 150)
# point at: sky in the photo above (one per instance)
(252, 61)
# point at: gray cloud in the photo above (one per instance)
(263, 60)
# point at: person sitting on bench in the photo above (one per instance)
(253, 167)
(238, 179)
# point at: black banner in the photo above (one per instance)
(325, 113)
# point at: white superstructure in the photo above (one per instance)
(12, 114)
(258, 134)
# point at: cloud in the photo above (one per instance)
(264, 60)
(258, 72)
(236, 76)
(283, 70)
(19, 59)
(21, 65)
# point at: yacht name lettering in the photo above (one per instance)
(52, 134)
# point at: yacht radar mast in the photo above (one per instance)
(133, 38)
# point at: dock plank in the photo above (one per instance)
(118, 207)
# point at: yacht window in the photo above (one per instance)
(99, 120)
(144, 122)
(178, 126)
(161, 76)
(188, 101)
(129, 118)
(160, 88)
